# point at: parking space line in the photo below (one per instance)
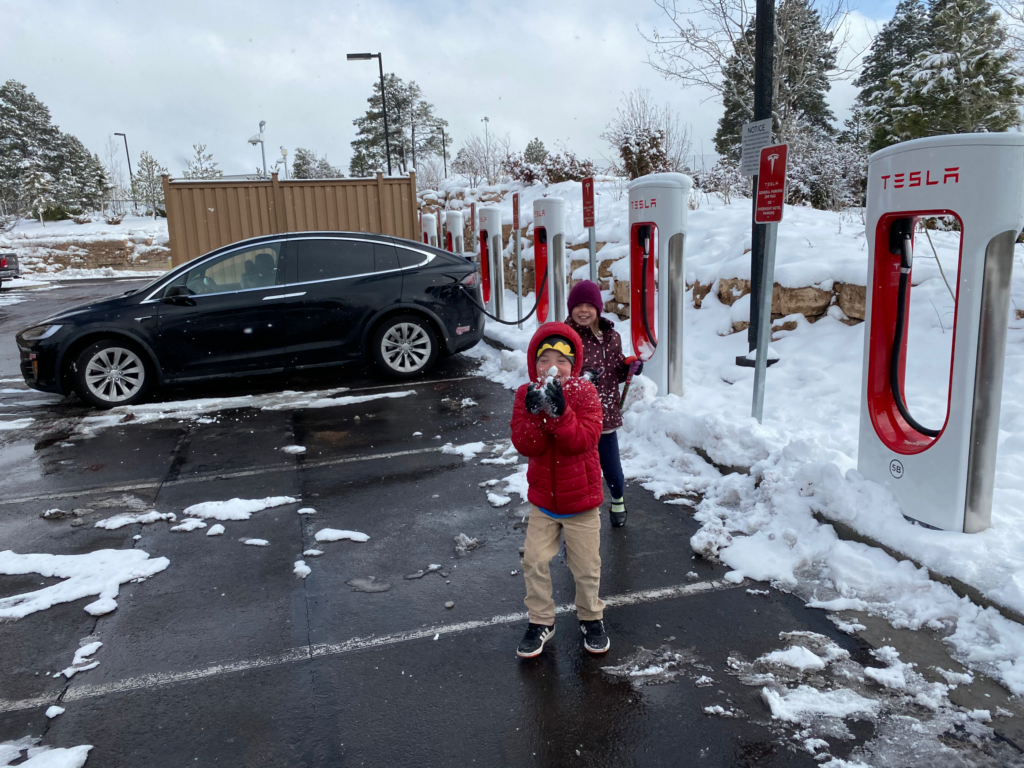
(323, 650)
(207, 476)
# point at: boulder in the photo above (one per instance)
(852, 299)
(732, 288)
(807, 301)
(699, 292)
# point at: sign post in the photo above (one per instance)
(588, 222)
(768, 200)
(472, 227)
(519, 263)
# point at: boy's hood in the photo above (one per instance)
(551, 329)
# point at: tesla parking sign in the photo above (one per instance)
(771, 185)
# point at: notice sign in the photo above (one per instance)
(515, 212)
(588, 202)
(755, 137)
(771, 185)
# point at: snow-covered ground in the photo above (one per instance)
(36, 246)
(803, 458)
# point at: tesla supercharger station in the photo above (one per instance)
(941, 477)
(658, 205)
(491, 266)
(428, 229)
(549, 257)
(454, 236)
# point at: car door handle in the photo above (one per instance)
(284, 296)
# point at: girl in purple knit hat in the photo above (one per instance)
(606, 366)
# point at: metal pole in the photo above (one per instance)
(131, 184)
(764, 327)
(593, 257)
(764, 57)
(263, 151)
(497, 274)
(384, 109)
(519, 282)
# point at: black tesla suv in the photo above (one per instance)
(272, 303)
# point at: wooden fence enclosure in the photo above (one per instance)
(204, 215)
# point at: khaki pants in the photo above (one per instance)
(583, 550)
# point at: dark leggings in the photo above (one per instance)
(608, 448)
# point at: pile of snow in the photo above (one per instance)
(200, 408)
(235, 509)
(81, 662)
(99, 573)
(43, 757)
(333, 534)
(120, 521)
(466, 451)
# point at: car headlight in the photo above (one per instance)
(40, 332)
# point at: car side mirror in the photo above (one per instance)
(178, 294)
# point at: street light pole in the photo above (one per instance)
(131, 185)
(487, 148)
(383, 97)
(263, 147)
(284, 159)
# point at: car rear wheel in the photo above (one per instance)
(110, 373)
(405, 346)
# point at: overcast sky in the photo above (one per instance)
(171, 74)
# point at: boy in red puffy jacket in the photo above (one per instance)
(556, 423)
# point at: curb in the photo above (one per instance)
(961, 588)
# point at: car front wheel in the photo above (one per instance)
(405, 346)
(110, 373)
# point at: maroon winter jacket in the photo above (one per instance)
(564, 474)
(604, 356)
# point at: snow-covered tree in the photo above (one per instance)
(899, 42)
(37, 190)
(147, 184)
(202, 166)
(723, 179)
(29, 139)
(482, 160)
(306, 165)
(965, 81)
(535, 152)
(823, 172)
(646, 137)
(805, 63)
(360, 165)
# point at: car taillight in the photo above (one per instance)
(3, 263)
(472, 280)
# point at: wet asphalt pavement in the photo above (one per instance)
(228, 658)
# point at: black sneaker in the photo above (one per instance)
(533, 641)
(618, 518)
(594, 638)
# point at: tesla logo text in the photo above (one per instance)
(772, 159)
(461, 330)
(641, 204)
(913, 179)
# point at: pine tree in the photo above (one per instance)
(147, 186)
(29, 139)
(306, 165)
(37, 190)
(535, 152)
(965, 81)
(897, 44)
(804, 57)
(202, 166)
(412, 126)
(360, 165)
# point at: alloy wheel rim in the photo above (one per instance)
(115, 374)
(405, 347)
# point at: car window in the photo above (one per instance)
(408, 258)
(236, 271)
(329, 259)
(384, 257)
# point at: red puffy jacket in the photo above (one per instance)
(564, 472)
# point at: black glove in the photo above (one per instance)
(534, 399)
(555, 397)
